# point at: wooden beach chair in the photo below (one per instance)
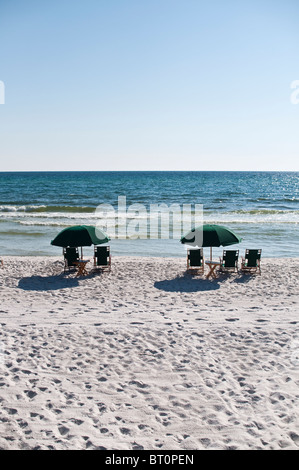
(71, 257)
(195, 261)
(102, 257)
(252, 261)
(229, 261)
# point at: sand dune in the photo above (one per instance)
(148, 357)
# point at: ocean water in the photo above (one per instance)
(261, 207)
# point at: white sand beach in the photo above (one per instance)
(148, 357)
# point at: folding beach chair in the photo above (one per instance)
(195, 261)
(71, 257)
(102, 257)
(252, 261)
(229, 260)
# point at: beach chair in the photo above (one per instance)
(229, 261)
(195, 261)
(102, 257)
(71, 257)
(252, 261)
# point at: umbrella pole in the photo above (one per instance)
(81, 252)
(210, 253)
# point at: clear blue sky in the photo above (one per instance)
(149, 85)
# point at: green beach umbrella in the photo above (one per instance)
(80, 235)
(210, 235)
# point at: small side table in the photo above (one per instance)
(82, 267)
(212, 265)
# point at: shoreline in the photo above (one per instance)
(137, 256)
(148, 357)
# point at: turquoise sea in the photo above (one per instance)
(261, 207)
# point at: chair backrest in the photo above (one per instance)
(230, 257)
(252, 257)
(195, 257)
(71, 255)
(101, 254)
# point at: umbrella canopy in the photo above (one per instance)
(80, 235)
(210, 235)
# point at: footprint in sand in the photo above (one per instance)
(136, 446)
(63, 430)
(23, 424)
(11, 411)
(30, 393)
(295, 438)
(125, 431)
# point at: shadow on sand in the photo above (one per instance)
(191, 283)
(244, 278)
(47, 283)
(188, 283)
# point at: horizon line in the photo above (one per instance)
(148, 171)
